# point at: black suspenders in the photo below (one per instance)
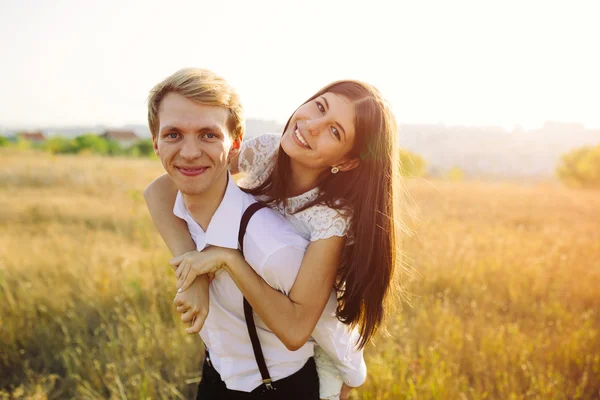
(248, 314)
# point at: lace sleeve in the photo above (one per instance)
(256, 159)
(325, 222)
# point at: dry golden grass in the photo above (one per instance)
(505, 295)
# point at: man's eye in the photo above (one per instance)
(172, 135)
(210, 136)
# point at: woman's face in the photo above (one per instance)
(321, 132)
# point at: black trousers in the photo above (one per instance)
(303, 385)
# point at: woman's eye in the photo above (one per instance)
(320, 107)
(335, 132)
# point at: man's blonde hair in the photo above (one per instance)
(202, 86)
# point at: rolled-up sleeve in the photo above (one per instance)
(278, 264)
(340, 343)
(281, 268)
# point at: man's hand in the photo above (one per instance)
(193, 304)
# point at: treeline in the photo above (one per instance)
(411, 165)
(580, 167)
(86, 144)
(577, 168)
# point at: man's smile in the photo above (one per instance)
(191, 171)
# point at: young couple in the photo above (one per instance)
(285, 299)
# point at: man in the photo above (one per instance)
(197, 126)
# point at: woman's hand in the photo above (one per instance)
(345, 394)
(194, 263)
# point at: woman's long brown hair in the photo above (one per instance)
(368, 191)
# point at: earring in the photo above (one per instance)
(335, 170)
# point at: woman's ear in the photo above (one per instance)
(348, 164)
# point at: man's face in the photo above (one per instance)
(193, 143)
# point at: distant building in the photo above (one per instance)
(34, 137)
(124, 138)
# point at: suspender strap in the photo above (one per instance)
(253, 208)
(248, 314)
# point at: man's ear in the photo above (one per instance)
(348, 164)
(234, 150)
(155, 144)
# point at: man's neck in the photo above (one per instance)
(203, 206)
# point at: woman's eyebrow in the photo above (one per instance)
(337, 123)
(341, 128)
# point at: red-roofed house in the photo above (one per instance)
(124, 138)
(34, 137)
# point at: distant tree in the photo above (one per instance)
(113, 148)
(580, 167)
(57, 145)
(4, 141)
(90, 143)
(412, 165)
(142, 148)
(22, 144)
(455, 174)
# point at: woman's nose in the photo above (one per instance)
(313, 127)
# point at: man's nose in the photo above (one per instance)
(190, 150)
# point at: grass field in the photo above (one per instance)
(505, 294)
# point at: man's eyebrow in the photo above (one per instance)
(169, 128)
(210, 128)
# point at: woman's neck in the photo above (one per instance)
(302, 179)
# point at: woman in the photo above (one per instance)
(333, 175)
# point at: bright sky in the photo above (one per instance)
(476, 62)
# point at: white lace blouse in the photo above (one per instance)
(256, 161)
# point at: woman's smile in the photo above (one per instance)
(300, 140)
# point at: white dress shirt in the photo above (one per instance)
(274, 250)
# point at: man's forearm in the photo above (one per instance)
(160, 197)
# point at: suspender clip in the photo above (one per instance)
(268, 384)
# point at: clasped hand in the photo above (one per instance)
(193, 305)
(195, 263)
(192, 299)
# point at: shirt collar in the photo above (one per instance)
(224, 225)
